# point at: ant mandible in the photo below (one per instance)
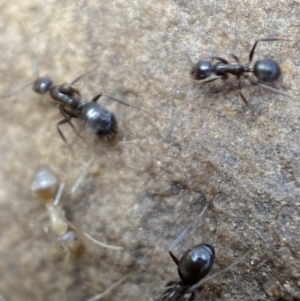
(265, 70)
(194, 265)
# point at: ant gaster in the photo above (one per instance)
(194, 265)
(265, 70)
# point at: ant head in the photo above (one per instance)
(266, 70)
(45, 185)
(196, 263)
(99, 120)
(42, 84)
(202, 70)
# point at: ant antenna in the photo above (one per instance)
(33, 55)
(251, 54)
(78, 78)
(16, 90)
(103, 244)
(266, 87)
(184, 232)
(181, 47)
(34, 62)
(79, 180)
(100, 296)
(59, 194)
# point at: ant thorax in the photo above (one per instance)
(57, 218)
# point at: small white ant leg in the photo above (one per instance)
(59, 194)
(178, 239)
(100, 296)
(103, 244)
(183, 233)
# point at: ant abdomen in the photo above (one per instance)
(99, 120)
(45, 185)
(196, 263)
(266, 70)
(202, 70)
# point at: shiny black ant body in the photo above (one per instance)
(96, 117)
(194, 265)
(265, 70)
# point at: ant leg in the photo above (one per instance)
(246, 102)
(103, 244)
(95, 98)
(262, 40)
(59, 194)
(175, 259)
(164, 294)
(100, 296)
(243, 97)
(235, 58)
(122, 102)
(62, 283)
(218, 58)
(68, 116)
(38, 219)
(265, 87)
(207, 81)
(62, 134)
(193, 296)
(170, 283)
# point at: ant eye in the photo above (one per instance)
(42, 84)
(202, 70)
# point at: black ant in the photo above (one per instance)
(265, 70)
(96, 117)
(193, 266)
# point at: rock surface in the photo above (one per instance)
(204, 163)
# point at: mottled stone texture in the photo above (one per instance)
(203, 149)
